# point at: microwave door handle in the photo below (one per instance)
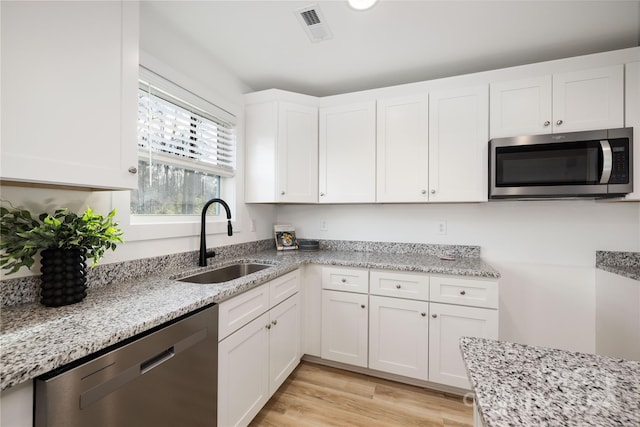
(607, 161)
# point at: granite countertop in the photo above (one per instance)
(626, 264)
(521, 385)
(35, 339)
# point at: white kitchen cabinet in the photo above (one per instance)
(347, 153)
(16, 406)
(402, 149)
(399, 336)
(632, 119)
(617, 316)
(282, 153)
(69, 93)
(256, 357)
(345, 327)
(564, 102)
(243, 373)
(458, 144)
(448, 323)
(284, 341)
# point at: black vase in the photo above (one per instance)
(64, 277)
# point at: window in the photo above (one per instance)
(185, 150)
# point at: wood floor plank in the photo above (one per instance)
(320, 396)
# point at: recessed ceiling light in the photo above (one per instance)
(361, 4)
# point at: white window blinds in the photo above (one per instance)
(174, 131)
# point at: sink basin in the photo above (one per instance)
(224, 274)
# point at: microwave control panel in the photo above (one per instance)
(620, 164)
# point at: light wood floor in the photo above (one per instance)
(316, 395)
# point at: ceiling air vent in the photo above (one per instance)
(312, 22)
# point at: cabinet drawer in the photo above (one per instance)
(345, 279)
(283, 287)
(399, 284)
(463, 291)
(240, 310)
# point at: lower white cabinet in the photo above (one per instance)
(412, 325)
(399, 336)
(345, 327)
(256, 357)
(448, 323)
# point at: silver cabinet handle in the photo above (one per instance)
(423, 314)
(607, 161)
(434, 315)
(322, 194)
(362, 306)
(268, 326)
(559, 122)
(133, 169)
(274, 322)
(344, 280)
(547, 123)
(282, 193)
(398, 286)
(433, 191)
(424, 191)
(463, 292)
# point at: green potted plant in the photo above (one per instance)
(65, 241)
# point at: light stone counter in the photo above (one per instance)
(35, 339)
(520, 385)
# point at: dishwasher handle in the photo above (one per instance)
(156, 360)
(101, 390)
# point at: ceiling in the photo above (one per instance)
(264, 44)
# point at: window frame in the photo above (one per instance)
(149, 227)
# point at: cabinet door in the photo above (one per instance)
(520, 107)
(403, 149)
(448, 323)
(344, 327)
(69, 82)
(632, 119)
(243, 373)
(589, 99)
(261, 134)
(399, 336)
(297, 153)
(458, 144)
(284, 341)
(347, 150)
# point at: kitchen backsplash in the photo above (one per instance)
(25, 289)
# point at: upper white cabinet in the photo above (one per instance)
(632, 119)
(69, 87)
(403, 149)
(282, 153)
(566, 102)
(458, 144)
(347, 150)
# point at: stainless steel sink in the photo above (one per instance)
(224, 274)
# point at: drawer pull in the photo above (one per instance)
(343, 280)
(463, 292)
(423, 314)
(398, 286)
(268, 326)
(362, 306)
(434, 316)
(274, 322)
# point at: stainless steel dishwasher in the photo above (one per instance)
(164, 377)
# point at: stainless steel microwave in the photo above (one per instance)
(578, 164)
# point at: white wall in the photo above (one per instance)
(545, 251)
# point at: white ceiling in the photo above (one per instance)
(396, 42)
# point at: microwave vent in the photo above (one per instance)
(313, 23)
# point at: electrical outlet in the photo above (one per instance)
(441, 227)
(323, 225)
